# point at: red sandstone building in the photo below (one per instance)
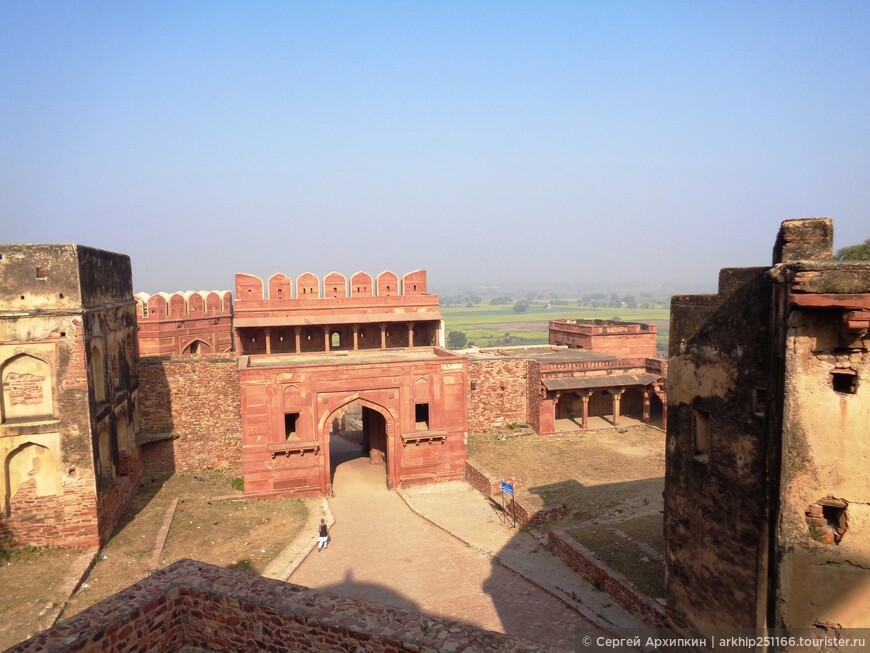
(623, 339)
(184, 323)
(312, 350)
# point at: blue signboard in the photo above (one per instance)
(507, 488)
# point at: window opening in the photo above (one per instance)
(40, 272)
(335, 339)
(421, 417)
(702, 434)
(844, 381)
(290, 423)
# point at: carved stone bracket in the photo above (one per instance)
(300, 447)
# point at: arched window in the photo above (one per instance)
(27, 389)
(98, 374)
(336, 340)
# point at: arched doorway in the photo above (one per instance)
(358, 434)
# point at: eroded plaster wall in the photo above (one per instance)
(824, 526)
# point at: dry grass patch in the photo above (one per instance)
(241, 535)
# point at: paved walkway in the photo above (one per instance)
(382, 551)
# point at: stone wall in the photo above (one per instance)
(194, 604)
(497, 393)
(198, 401)
(582, 560)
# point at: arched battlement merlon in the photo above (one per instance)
(195, 303)
(414, 283)
(213, 303)
(142, 305)
(177, 305)
(280, 287)
(157, 306)
(248, 286)
(227, 299)
(307, 286)
(388, 284)
(361, 285)
(334, 285)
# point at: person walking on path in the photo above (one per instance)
(323, 539)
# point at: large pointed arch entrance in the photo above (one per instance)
(358, 429)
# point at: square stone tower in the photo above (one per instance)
(767, 488)
(68, 394)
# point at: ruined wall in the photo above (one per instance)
(68, 385)
(192, 604)
(823, 534)
(497, 394)
(715, 491)
(622, 339)
(198, 400)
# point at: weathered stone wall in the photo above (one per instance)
(199, 401)
(823, 530)
(497, 394)
(715, 490)
(481, 479)
(194, 604)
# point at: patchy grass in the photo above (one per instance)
(623, 555)
(32, 589)
(243, 535)
(609, 479)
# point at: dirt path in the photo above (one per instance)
(383, 552)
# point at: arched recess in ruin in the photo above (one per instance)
(379, 433)
(196, 347)
(30, 462)
(99, 374)
(25, 383)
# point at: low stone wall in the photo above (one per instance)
(481, 479)
(530, 510)
(197, 605)
(581, 559)
(527, 509)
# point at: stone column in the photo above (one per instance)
(268, 333)
(356, 337)
(617, 396)
(663, 396)
(645, 419)
(383, 335)
(326, 338)
(298, 331)
(237, 336)
(410, 335)
(585, 397)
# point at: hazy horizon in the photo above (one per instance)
(551, 142)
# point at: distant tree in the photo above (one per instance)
(456, 339)
(471, 298)
(616, 318)
(505, 299)
(629, 301)
(860, 252)
(469, 305)
(521, 307)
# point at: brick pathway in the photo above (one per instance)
(383, 552)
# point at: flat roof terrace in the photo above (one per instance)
(541, 354)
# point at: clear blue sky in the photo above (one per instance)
(483, 141)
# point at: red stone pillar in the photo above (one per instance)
(356, 337)
(238, 338)
(383, 336)
(298, 332)
(617, 396)
(663, 396)
(585, 398)
(326, 338)
(410, 335)
(268, 333)
(645, 418)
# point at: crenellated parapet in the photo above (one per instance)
(307, 286)
(310, 313)
(185, 323)
(189, 303)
